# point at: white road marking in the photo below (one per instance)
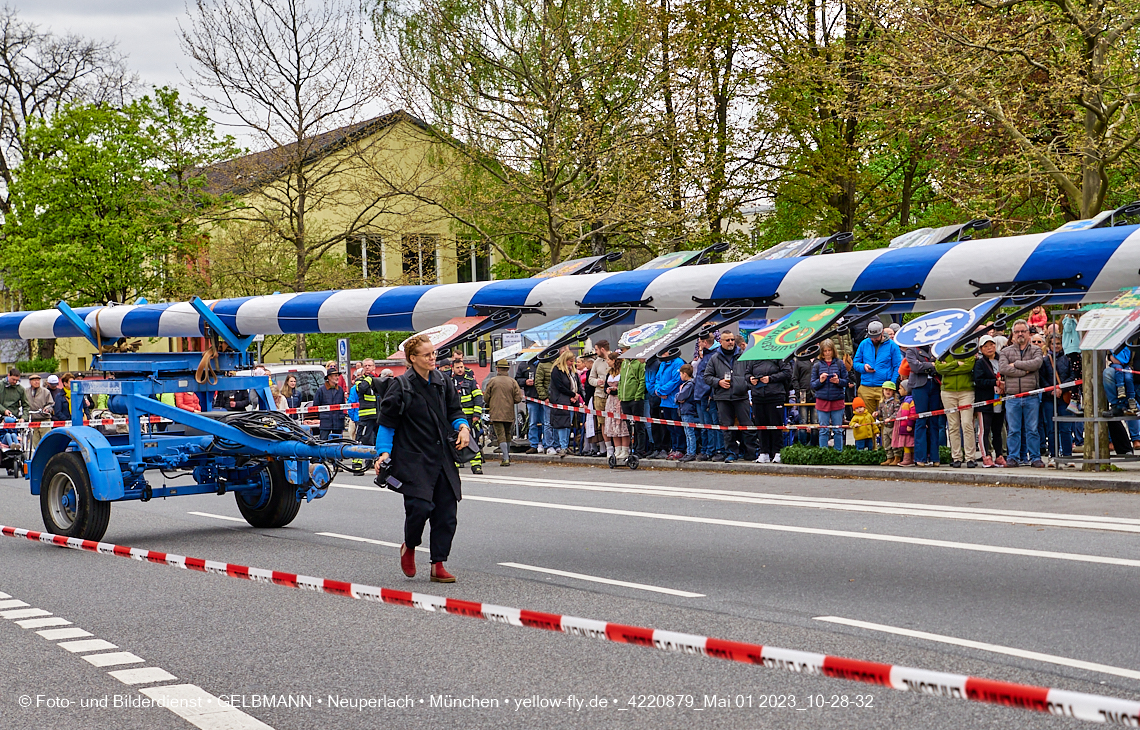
(360, 487)
(4, 595)
(14, 603)
(202, 709)
(1117, 524)
(82, 645)
(369, 541)
(219, 517)
(974, 547)
(995, 648)
(607, 581)
(113, 658)
(58, 634)
(142, 675)
(39, 623)
(24, 613)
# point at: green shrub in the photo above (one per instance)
(815, 456)
(39, 365)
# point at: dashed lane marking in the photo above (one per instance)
(994, 648)
(142, 675)
(78, 647)
(607, 581)
(188, 701)
(37, 623)
(875, 537)
(202, 709)
(24, 613)
(59, 634)
(368, 540)
(113, 658)
(13, 603)
(219, 517)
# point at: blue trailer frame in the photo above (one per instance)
(78, 471)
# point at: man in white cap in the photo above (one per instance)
(40, 404)
(877, 360)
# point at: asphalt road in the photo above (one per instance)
(749, 558)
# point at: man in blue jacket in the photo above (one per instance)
(877, 360)
(666, 384)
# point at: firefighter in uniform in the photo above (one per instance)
(366, 392)
(471, 399)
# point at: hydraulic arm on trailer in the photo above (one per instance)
(266, 459)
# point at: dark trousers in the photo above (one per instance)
(991, 433)
(926, 429)
(327, 432)
(732, 412)
(658, 432)
(770, 413)
(440, 511)
(636, 428)
(366, 432)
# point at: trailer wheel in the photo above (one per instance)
(67, 503)
(276, 510)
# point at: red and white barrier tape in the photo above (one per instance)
(1093, 708)
(788, 427)
(159, 419)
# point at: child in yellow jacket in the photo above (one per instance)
(864, 425)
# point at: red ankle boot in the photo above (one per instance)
(439, 574)
(408, 561)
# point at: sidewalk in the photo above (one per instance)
(1127, 480)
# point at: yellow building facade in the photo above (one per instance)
(371, 190)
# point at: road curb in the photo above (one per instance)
(996, 477)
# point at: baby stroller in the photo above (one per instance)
(12, 447)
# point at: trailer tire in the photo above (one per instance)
(282, 506)
(67, 503)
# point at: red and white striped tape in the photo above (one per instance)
(1093, 708)
(790, 426)
(158, 419)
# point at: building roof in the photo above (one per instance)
(249, 172)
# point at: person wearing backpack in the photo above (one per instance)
(417, 418)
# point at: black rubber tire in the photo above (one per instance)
(613, 462)
(91, 516)
(283, 505)
(633, 462)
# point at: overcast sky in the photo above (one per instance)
(146, 30)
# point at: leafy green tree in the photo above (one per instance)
(106, 198)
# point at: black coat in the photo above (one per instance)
(419, 444)
(721, 362)
(985, 381)
(560, 394)
(222, 400)
(330, 420)
(527, 372)
(779, 374)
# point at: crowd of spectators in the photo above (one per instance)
(861, 390)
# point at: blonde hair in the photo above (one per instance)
(414, 343)
(828, 345)
(565, 363)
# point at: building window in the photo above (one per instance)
(81, 364)
(366, 255)
(472, 260)
(420, 252)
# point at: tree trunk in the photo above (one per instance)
(46, 348)
(1090, 369)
